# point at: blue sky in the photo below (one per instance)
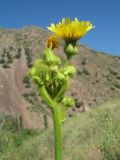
(104, 14)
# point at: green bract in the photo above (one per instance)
(69, 70)
(39, 73)
(50, 58)
(68, 102)
(70, 50)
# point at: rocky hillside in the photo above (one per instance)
(97, 79)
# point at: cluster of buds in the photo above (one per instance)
(49, 73)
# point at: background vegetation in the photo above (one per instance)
(93, 135)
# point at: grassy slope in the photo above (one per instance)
(94, 135)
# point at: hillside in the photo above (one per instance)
(96, 136)
(97, 79)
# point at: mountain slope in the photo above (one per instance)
(97, 79)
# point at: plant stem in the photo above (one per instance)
(57, 132)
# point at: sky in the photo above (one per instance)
(104, 14)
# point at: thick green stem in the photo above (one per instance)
(62, 90)
(43, 92)
(57, 132)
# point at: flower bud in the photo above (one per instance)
(70, 50)
(68, 102)
(37, 80)
(32, 72)
(69, 70)
(60, 77)
(54, 69)
(50, 57)
(47, 77)
(39, 73)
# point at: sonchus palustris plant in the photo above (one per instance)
(52, 76)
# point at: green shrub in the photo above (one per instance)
(113, 71)
(118, 77)
(10, 123)
(10, 60)
(5, 65)
(112, 88)
(84, 61)
(78, 103)
(33, 94)
(86, 72)
(27, 52)
(26, 95)
(94, 51)
(26, 82)
(18, 55)
(29, 98)
(2, 61)
(117, 85)
(110, 145)
(79, 72)
(11, 48)
(28, 57)
(11, 136)
(18, 37)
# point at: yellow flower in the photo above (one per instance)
(71, 31)
(52, 42)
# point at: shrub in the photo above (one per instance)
(84, 61)
(28, 57)
(5, 65)
(27, 51)
(79, 72)
(11, 48)
(18, 55)
(26, 95)
(113, 71)
(78, 103)
(110, 146)
(29, 98)
(10, 60)
(18, 37)
(85, 71)
(112, 88)
(117, 85)
(33, 94)
(10, 123)
(93, 51)
(2, 61)
(26, 82)
(19, 50)
(118, 77)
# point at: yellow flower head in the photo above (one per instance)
(71, 31)
(52, 42)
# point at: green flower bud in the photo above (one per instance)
(32, 72)
(54, 69)
(68, 102)
(60, 77)
(39, 73)
(69, 70)
(47, 77)
(37, 80)
(70, 50)
(50, 57)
